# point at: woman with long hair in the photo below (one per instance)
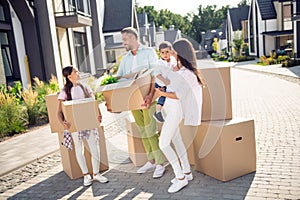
(184, 102)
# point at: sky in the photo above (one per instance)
(185, 6)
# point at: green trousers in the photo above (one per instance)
(147, 127)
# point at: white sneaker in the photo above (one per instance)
(146, 167)
(178, 185)
(100, 178)
(87, 180)
(159, 171)
(189, 177)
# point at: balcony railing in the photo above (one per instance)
(74, 14)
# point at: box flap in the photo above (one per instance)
(118, 85)
(124, 81)
(78, 101)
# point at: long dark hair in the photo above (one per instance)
(187, 56)
(66, 72)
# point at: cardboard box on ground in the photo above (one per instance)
(136, 148)
(68, 157)
(217, 104)
(128, 93)
(225, 149)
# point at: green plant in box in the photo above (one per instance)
(108, 80)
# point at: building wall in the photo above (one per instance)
(21, 50)
(269, 45)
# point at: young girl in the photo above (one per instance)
(72, 91)
(184, 102)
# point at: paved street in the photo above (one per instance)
(273, 103)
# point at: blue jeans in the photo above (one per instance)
(162, 99)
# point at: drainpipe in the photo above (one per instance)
(36, 19)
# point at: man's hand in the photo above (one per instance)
(147, 101)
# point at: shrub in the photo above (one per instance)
(12, 118)
(30, 99)
(42, 89)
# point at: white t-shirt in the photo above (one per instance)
(76, 93)
(160, 69)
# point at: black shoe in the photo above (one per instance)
(158, 117)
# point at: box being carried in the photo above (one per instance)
(81, 113)
(52, 107)
(128, 93)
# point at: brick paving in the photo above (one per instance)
(271, 101)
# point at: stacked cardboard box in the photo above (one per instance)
(224, 147)
(136, 148)
(87, 108)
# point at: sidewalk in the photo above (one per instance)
(275, 108)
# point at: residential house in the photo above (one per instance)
(207, 41)
(169, 35)
(39, 38)
(144, 27)
(118, 15)
(271, 27)
(237, 25)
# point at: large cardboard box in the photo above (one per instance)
(188, 133)
(225, 149)
(52, 107)
(81, 113)
(217, 103)
(128, 93)
(136, 148)
(68, 157)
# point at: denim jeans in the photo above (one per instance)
(162, 99)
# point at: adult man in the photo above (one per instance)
(136, 59)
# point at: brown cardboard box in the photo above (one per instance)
(69, 162)
(225, 149)
(136, 148)
(217, 95)
(188, 133)
(52, 107)
(127, 94)
(82, 114)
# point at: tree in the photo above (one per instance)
(237, 42)
(243, 3)
(192, 24)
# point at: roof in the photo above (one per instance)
(171, 35)
(278, 33)
(237, 15)
(267, 9)
(118, 14)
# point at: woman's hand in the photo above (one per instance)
(99, 118)
(66, 125)
(159, 92)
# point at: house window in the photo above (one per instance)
(111, 56)
(6, 59)
(2, 16)
(83, 6)
(287, 12)
(81, 51)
